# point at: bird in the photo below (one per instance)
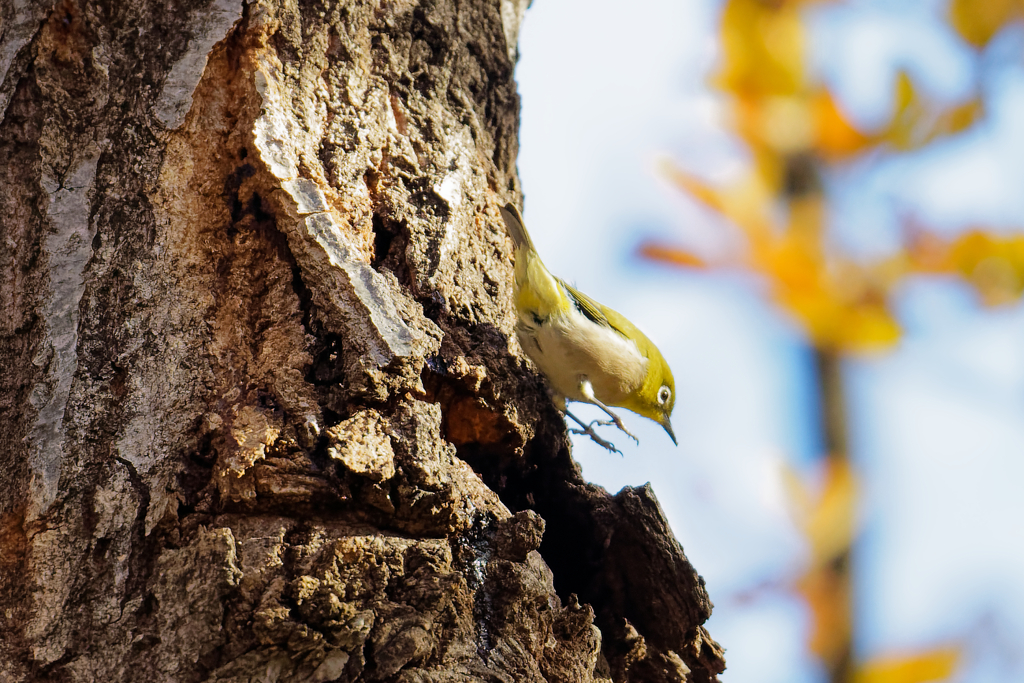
(587, 352)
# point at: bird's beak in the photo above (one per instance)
(668, 428)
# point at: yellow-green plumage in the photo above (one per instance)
(587, 351)
(537, 289)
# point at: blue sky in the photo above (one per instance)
(607, 89)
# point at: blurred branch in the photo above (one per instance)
(835, 636)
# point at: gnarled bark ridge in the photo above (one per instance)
(263, 417)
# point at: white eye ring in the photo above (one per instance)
(664, 394)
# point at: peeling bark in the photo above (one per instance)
(263, 414)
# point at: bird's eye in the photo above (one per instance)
(664, 394)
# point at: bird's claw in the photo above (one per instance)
(589, 431)
(587, 391)
(618, 423)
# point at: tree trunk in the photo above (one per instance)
(263, 414)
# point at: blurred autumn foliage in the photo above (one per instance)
(798, 137)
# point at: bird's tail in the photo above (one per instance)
(538, 293)
(514, 225)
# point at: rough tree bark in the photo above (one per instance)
(263, 416)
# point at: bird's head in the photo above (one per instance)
(656, 396)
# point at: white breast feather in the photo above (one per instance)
(571, 347)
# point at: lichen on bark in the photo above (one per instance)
(264, 415)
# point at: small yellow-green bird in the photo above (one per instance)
(587, 351)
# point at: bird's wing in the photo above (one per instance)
(595, 311)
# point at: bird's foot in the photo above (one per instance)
(587, 391)
(589, 431)
(618, 423)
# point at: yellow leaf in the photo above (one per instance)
(826, 589)
(746, 203)
(935, 665)
(906, 94)
(787, 124)
(763, 48)
(992, 264)
(672, 255)
(693, 185)
(841, 305)
(960, 118)
(978, 20)
(828, 521)
(916, 122)
(836, 136)
(868, 329)
(832, 527)
(793, 269)
(900, 131)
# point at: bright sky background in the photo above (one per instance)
(608, 87)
